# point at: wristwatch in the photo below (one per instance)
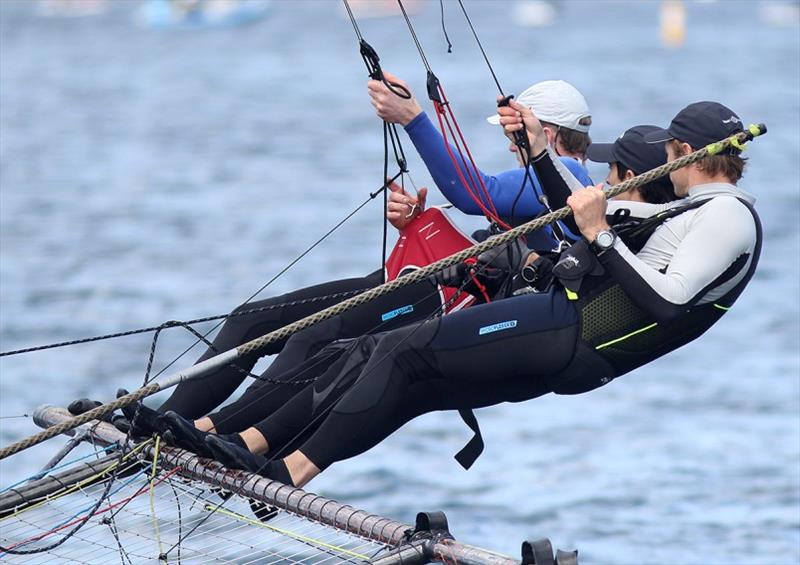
(603, 241)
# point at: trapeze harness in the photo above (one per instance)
(618, 334)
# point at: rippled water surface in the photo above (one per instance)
(148, 176)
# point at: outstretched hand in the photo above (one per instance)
(389, 106)
(402, 208)
(515, 117)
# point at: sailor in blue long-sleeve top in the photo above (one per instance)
(566, 119)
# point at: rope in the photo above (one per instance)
(153, 495)
(444, 112)
(412, 277)
(175, 323)
(520, 138)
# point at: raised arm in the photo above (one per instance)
(502, 188)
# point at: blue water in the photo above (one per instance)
(147, 176)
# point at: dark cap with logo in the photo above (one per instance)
(631, 150)
(699, 124)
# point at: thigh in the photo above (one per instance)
(515, 338)
(412, 303)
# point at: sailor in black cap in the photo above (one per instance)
(633, 305)
(631, 155)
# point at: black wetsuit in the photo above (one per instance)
(641, 306)
(196, 398)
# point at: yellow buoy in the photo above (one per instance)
(673, 23)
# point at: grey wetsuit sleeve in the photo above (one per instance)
(704, 254)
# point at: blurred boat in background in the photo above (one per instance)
(201, 14)
(70, 8)
(536, 13)
(363, 9)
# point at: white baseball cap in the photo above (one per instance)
(554, 101)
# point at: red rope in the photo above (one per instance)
(469, 154)
(471, 262)
(477, 190)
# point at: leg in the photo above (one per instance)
(460, 361)
(197, 397)
(294, 422)
(192, 436)
(415, 302)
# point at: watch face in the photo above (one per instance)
(605, 239)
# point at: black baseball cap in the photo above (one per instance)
(631, 150)
(699, 124)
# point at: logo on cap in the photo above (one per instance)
(732, 119)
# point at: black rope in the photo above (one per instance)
(170, 324)
(372, 62)
(444, 29)
(485, 57)
(520, 138)
(180, 514)
(112, 525)
(415, 38)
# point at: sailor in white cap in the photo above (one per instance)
(563, 113)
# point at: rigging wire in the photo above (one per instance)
(372, 62)
(444, 29)
(176, 323)
(476, 188)
(520, 140)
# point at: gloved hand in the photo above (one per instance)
(487, 275)
(454, 275)
(509, 258)
(82, 405)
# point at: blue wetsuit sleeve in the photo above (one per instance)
(502, 188)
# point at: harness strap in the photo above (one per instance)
(474, 447)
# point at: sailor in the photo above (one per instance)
(277, 412)
(565, 117)
(630, 155)
(266, 420)
(625, 309)
(195, 398)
